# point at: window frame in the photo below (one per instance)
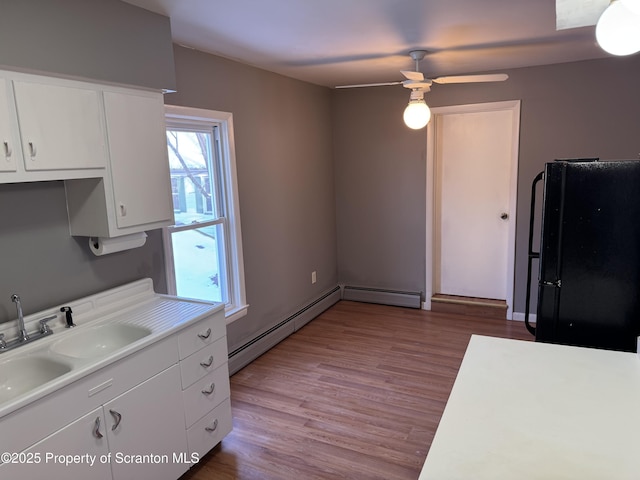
(236, 306)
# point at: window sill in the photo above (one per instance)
(234, 313)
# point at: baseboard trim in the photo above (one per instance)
(469, 301)
(242, 356)
(385, 297)
(519, 316)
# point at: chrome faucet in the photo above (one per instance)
(23, 337)
(23, 331)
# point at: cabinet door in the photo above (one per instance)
(139, 160)
(61, 126)
(9, 147)
(147, 437)
(77, 451)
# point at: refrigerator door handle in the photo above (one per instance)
(532, 255)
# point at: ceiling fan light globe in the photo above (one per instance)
(632, 5)
(417, 115)
(618, 30)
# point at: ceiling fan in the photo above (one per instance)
(417, 113)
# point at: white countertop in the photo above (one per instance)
(135, 303)
(526, 410)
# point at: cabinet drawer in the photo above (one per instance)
(201, 440)
(204, 361)
(205, 394)
(202, 334)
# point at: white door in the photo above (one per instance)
(473, 175)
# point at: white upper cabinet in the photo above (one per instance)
(135, 193)
(60, 125)
(107, 143)
(9, 143)
(138, 156)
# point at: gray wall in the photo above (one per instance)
(380, 170)
(96, 39)
(284, 160)
(104, 40)
(580, 109)
(285, 181)
(330, 181)
(48, 267)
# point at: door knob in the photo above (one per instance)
(504, 215)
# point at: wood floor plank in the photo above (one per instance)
(355, 394)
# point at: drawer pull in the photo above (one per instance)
(7, 150)
(96, 429)
(209, 391)
(32, 150)
(117, 417)
(205, 335)
(208, 363)
(213, 427)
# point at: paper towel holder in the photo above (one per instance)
(105, 245)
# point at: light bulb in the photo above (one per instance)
(417, 114)
(632, 5)
(618, 30)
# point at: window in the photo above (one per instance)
(203, 250)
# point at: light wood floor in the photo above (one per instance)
(355, 394)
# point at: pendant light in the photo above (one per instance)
(618, 28)
(417, 113)
(632, 5)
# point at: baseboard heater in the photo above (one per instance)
(251, 350)
(385, 297)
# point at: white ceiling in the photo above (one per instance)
(339, 42)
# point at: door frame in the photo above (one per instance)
(436, 114)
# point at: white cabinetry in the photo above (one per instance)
(135, 194)
(143, 428)
(150, 414)
(136, 435)
(108, 143)
(51, 129)
(205, 384)
(9, 140)
(61, 125)
(139, 162)
(47, 459)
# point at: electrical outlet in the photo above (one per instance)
(313, 277)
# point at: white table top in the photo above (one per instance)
(526, 410)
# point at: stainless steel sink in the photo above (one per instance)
(23, 374)
(99, 341)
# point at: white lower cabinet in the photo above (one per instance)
(74, 451)
(151, 415)
(205, 384)
(139, 434)
(144, 427)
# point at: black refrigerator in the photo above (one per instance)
(589, 258)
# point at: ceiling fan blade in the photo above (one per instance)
(368, 85)
(496, 77)
(412, 75)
